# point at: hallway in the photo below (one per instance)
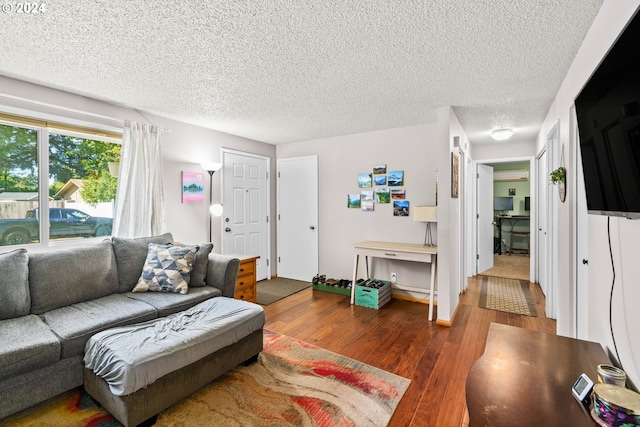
(509, 266)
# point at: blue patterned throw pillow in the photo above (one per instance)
(167, 269)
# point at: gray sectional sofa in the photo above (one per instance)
(52, 302)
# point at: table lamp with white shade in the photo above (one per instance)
(426, 214)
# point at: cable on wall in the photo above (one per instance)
(613, 283)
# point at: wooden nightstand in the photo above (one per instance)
(246, 281)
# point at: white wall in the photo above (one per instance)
(452, 258)
(501, 150)
(184, 147)
(340, 160)
(610, 21)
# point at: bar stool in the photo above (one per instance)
(520, 234)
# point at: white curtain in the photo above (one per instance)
(140, 208)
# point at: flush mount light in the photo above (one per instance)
(501, 134)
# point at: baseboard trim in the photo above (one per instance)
(448, 323)
(412, 299)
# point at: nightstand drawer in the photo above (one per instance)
(246, 282)
(246, 279)
(246, 268)
(246, 295)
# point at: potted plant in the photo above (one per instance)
(559, 176)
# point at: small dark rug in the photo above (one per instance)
(508, 295)
(270, 291)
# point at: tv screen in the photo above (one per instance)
(503, 203)
(608, 115)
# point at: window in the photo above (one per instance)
(80, 188)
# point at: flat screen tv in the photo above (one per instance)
(503, 203)
(608, 115)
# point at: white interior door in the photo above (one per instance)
(581, 299)
(552, 222)
(246, 208)
(298, 218)
(541, 206)
(484, 218)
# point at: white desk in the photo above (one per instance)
(399, 251)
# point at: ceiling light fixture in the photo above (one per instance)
(502, 134)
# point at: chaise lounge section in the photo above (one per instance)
(53, 302)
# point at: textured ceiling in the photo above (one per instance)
(284, 70)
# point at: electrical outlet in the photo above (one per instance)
(393, 278)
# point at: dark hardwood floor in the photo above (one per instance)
(399, 339)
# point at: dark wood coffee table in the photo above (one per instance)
(524, 378)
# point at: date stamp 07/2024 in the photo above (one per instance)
(23, 8)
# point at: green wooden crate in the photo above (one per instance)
(332, 289)
(372, 297)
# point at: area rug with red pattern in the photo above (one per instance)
(292, 384)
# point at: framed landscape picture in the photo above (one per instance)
(400, 208)
(192, 187)
(396, 178)
(353, 201)
(364, 180)
(383, 195)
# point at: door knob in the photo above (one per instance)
(228, 230)
(311, 227)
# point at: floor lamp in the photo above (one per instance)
(212, 167)
(426, 214)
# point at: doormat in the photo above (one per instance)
(270, 291)
(292, 384)
(508, 295)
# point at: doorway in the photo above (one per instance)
(245, 197)
(298, 218)
(510, 229)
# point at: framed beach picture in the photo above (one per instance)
(192, 187)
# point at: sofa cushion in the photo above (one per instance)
(15, 300)
(166, 304)
(131, 254)
(167, 269)
(26, 344)
(64, 277)
(199, 271)
(171, 342)
(76, 323)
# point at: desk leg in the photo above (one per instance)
(500, 236)
(366, 261)
(432, 295)
(355, 274)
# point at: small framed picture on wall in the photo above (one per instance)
(455, 175)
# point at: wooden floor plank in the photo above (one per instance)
(399, 339)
